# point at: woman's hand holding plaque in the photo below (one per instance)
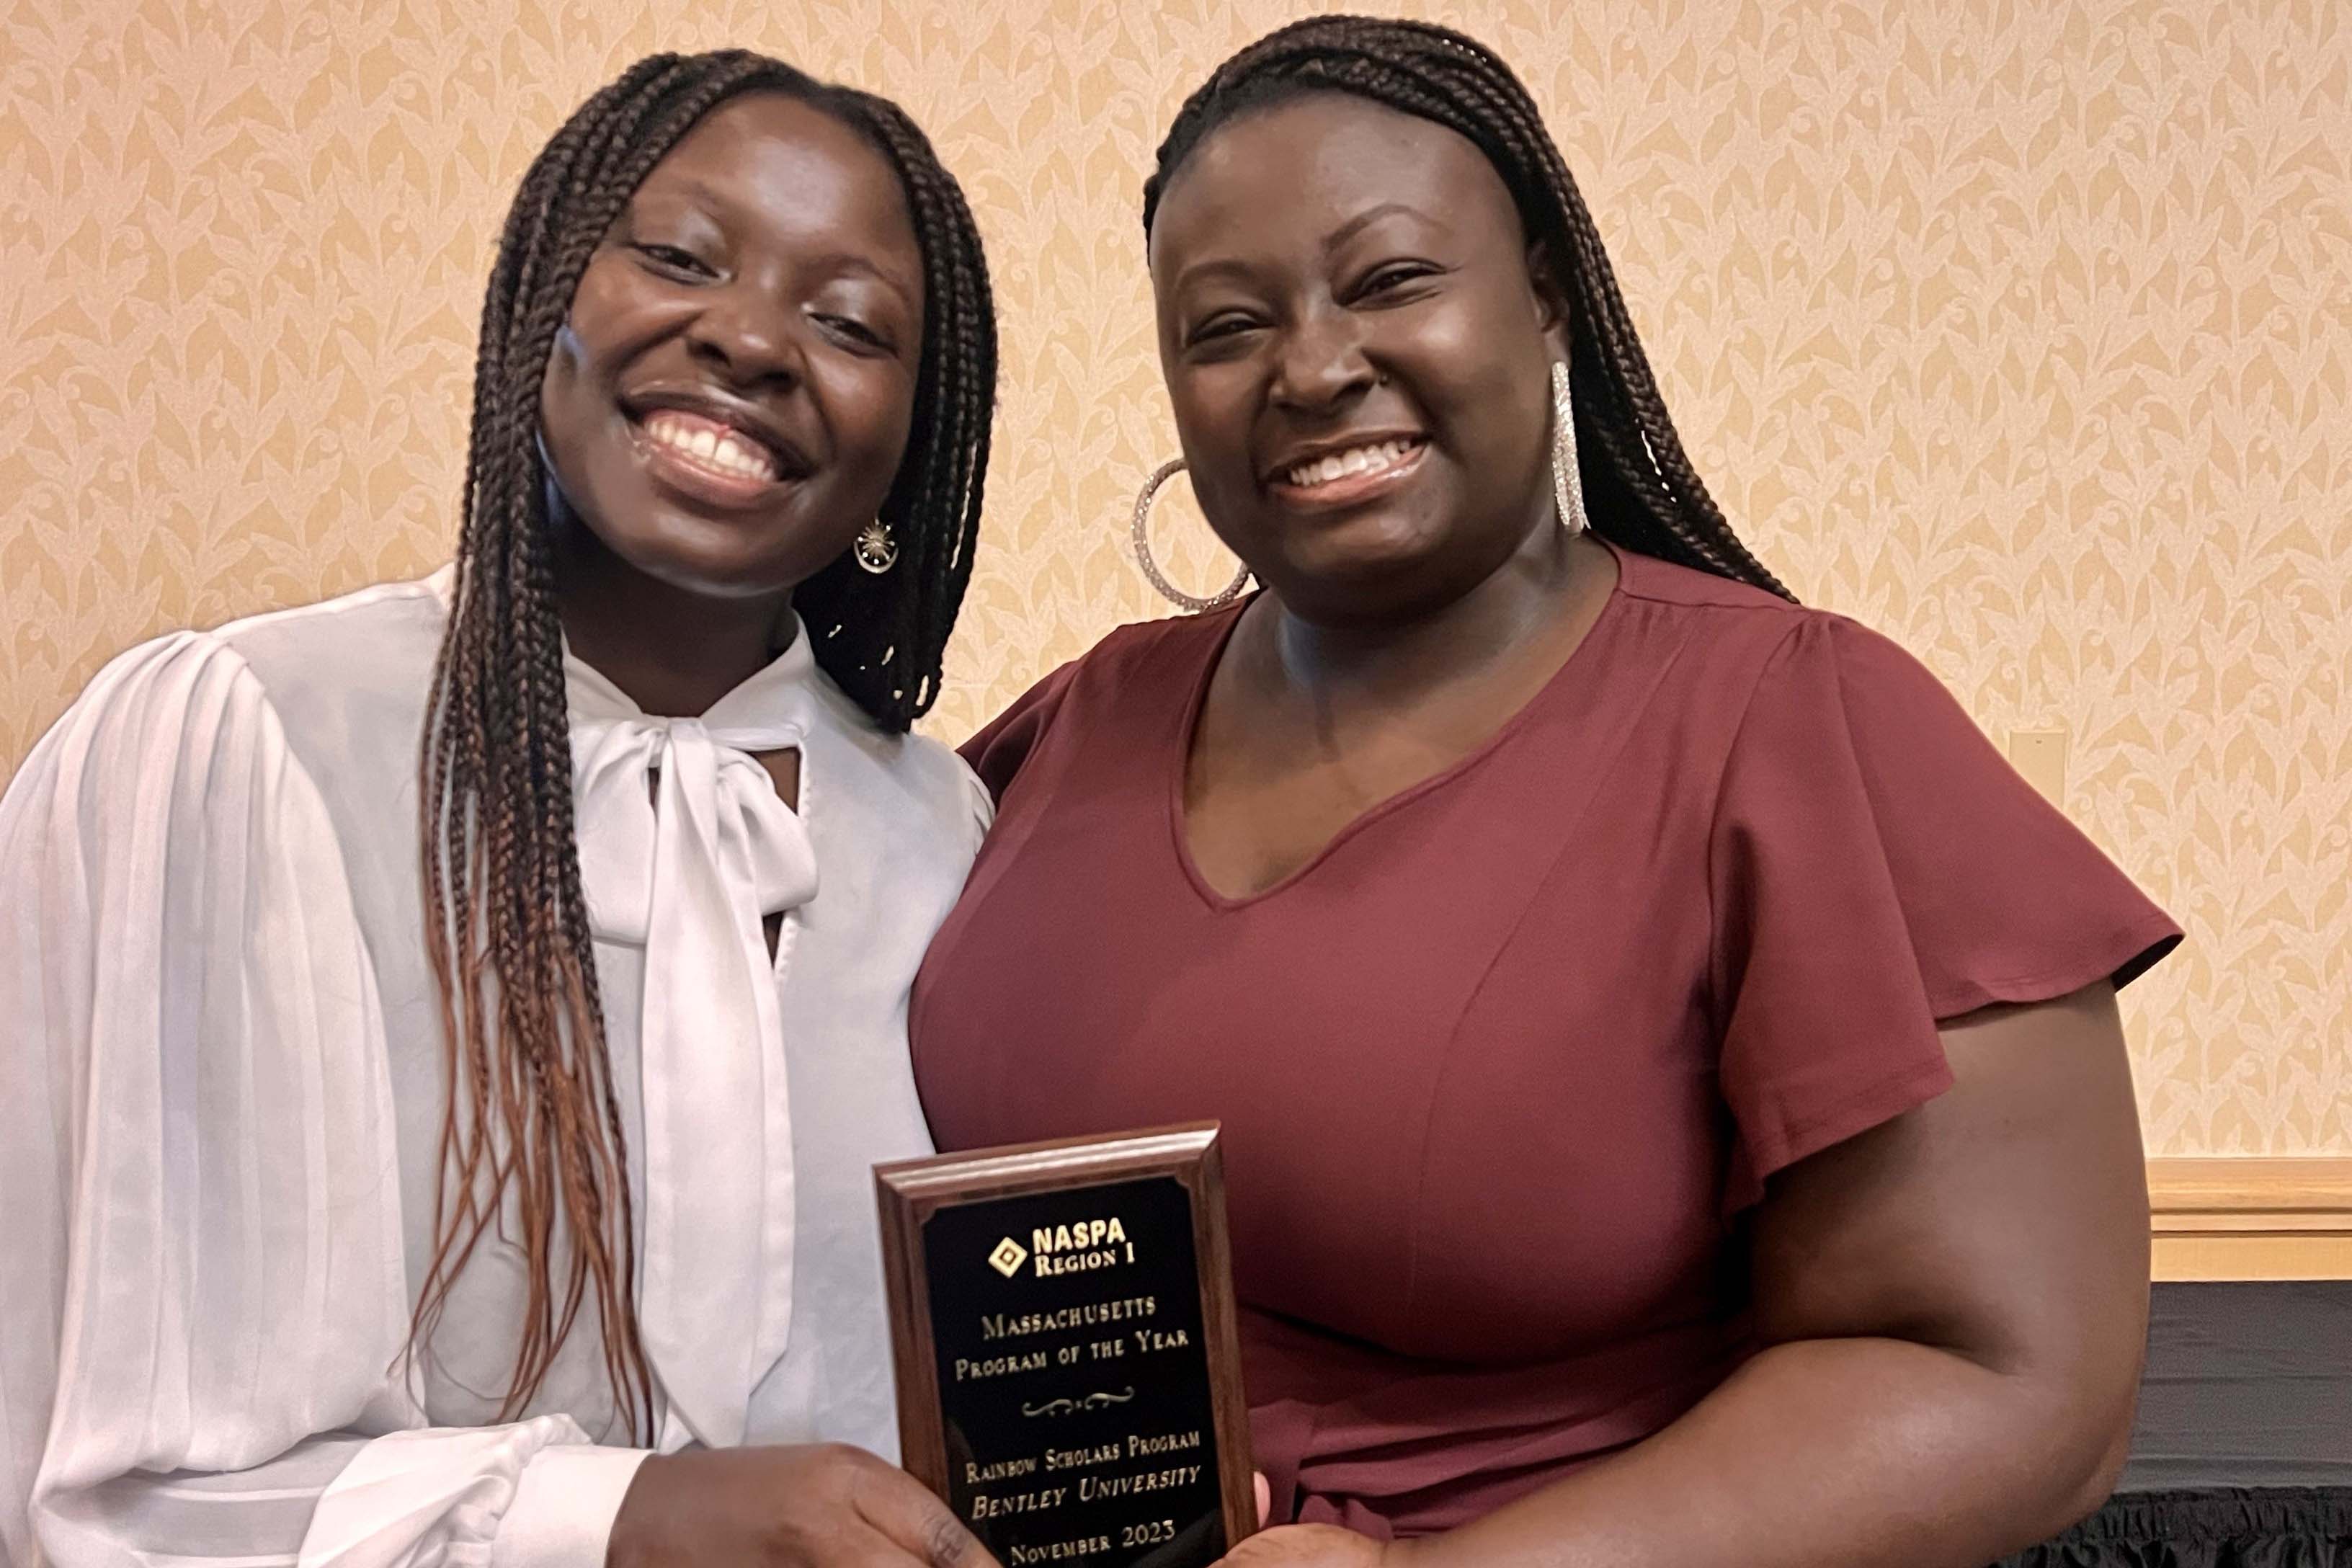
(817, 1505)
(1062, 1322)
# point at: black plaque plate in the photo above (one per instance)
(1062, 1321)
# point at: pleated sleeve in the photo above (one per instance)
(205, 1293)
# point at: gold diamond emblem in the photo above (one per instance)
(1008, 1258)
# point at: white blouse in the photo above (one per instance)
(220, 1100)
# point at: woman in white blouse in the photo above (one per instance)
(399, 1149)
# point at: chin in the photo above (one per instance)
(714, 553)
(1372, 553)
(732, 560)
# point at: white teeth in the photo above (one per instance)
(723, 452)
(1354, 460)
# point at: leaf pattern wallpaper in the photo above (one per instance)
(2019, 329)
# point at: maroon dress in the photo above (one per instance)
(1501, 1067)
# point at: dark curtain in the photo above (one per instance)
(2222, 1527)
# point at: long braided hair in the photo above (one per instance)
(1640, 488)
(531, 1144)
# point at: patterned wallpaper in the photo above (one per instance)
(2021, 331)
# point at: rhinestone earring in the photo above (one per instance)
(1152, 574)
(1567, 483)
(875, 550)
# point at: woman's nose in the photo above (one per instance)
(748, 332)
(1320, 362)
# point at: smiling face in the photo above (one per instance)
(1358, 348)
(728, 401)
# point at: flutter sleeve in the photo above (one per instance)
(997, 753)
(1876, 867)
(205, 1293)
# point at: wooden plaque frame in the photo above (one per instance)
(910, 1191)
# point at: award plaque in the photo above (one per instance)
(1062, 1321)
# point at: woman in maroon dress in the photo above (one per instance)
(1675, 1110)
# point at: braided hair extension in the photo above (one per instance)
(1640, 488)
(531, 1144)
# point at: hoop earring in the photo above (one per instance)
(1566, 482)
(874, 549)
(1152, 574)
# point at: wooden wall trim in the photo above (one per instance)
(2251, 1217)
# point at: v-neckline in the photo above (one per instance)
(1187, 731)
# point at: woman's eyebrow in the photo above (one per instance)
(711, 198)
(1233, 266)
(1372, 215)
(1213, 268)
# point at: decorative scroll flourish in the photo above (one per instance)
(1068, 1406)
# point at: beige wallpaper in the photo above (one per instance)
(2019, 328)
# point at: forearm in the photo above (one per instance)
(1818, 1454)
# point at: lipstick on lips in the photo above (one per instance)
(1346, 476)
